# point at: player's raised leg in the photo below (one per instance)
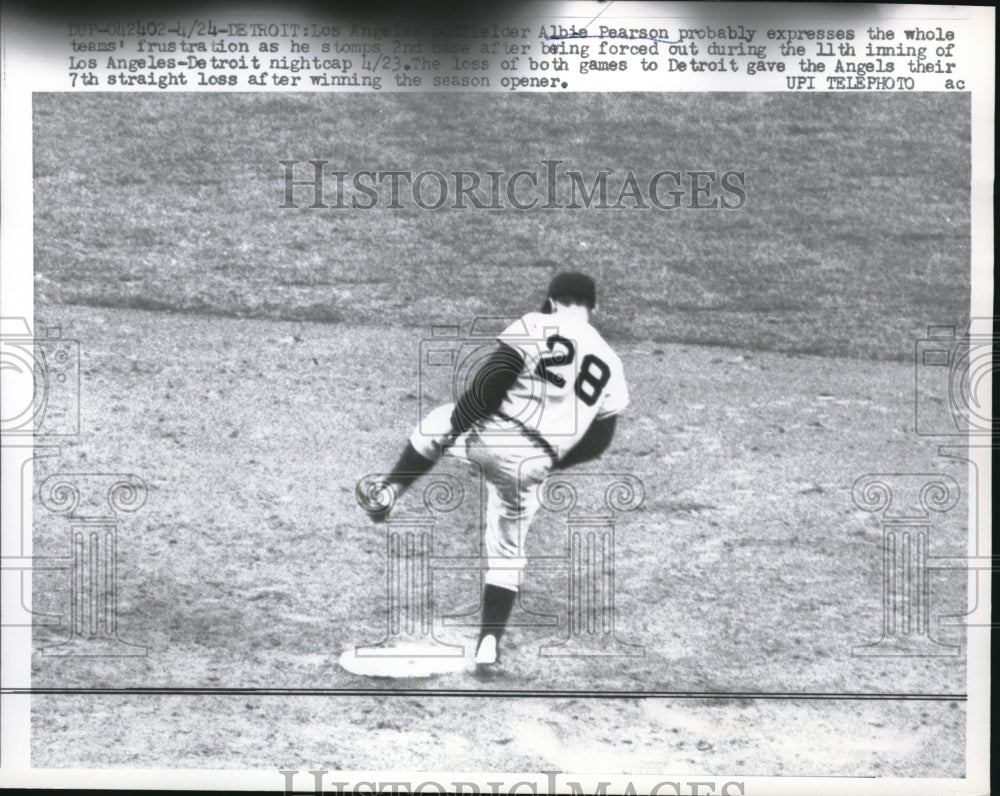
(429, 441)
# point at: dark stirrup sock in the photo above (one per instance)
(497, 605)
(410, 467)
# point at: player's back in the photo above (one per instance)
(571, 376)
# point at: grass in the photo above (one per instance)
(854, 236)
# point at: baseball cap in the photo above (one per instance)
(574, 285)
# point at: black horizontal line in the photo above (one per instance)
(483, 692)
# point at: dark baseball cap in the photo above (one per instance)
(574, 285)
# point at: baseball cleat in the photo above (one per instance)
(376, 513)
(487, 659)
(376, 498)
(378, 516)
(487, 653)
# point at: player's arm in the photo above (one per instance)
(489, 388)
(592, 444)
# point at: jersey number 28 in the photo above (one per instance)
(590, 381)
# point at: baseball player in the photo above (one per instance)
(546, 399)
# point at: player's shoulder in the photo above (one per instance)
(596, 338)
(525, 327)
(540, 325)
(535, 320)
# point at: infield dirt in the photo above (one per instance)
(747, 569)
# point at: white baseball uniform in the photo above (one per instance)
(570, 378)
